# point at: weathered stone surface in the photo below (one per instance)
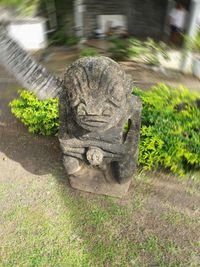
(94, 107)
(94, 181)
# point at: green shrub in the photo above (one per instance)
(72, 40)
(136, 48)
(60, 38)
(154, 52)
(119, 49)
(89, 52)
(170, 125)
(39, 116)
(170, 133)
(149, 51)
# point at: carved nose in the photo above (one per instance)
(94, 110)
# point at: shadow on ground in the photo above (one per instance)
(18, 145)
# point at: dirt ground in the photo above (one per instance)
(155, 224)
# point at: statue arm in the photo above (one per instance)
(79, 148)
(124, 169)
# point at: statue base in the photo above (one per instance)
(95, 181)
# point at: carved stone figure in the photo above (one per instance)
(95, 103)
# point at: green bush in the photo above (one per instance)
(119, 49)
(39, 116)
(170, 125)
(89, 52)
(136, 48)
(149, 51)
(60, 38)
(154, 52)
(72, 40)
(170, 133)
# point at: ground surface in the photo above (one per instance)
(43, 222)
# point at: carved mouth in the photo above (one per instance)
(98, 121)
(94, 121)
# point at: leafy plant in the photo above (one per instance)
(147, 51)
(39, 116)
(135, 48)
(119, 49)
(60, 38)
(89, 52)
(154, 52)
(192, 44)
(72, 40)
(170, 129)
(24, 7)
(170, 125)
(197, 41)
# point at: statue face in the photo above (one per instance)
(96, 93)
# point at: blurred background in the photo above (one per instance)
(97, 18)
(40, 24)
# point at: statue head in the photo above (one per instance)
(96, 92)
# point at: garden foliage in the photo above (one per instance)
(192, 43)
(89, 52)
(148, 51)
(60, 38)
(170, 132)
(39, 116)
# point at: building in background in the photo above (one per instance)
(86, 18)
(138, 17)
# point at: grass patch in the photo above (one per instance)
(178, 218)
(53, 225)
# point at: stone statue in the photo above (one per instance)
(95, 103)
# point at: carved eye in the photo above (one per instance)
(81, 109)
(116, 92)
(107, 111)
(73, 99)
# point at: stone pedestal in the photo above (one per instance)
(94, 181)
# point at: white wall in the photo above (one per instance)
(115, 20)
(30, 33)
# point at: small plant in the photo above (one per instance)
(119, 49)
(72, 40)
(170, 129)
(192, 44)
(135, 48)
(196, 42)
(170, 125)
(154, 52)
(147, 51)
(89, 52)
(39, 116)
(60, 38)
